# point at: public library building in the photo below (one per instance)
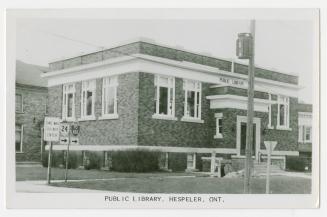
(183, 104)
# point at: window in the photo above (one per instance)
(192, 99)
(68, 108)
(19, 138)
(19, 103)
(305, 133)
(88, 99)
(109, 97)
(219, 125)
(164, 99)
(191, 161)
(270, 112)
(283, 112)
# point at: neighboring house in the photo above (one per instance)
(305, 133)
(189, 105)
(31, 102)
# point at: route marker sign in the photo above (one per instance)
(51, 129)
(75, 128)
(64, 140)
(64, 129)
(74, 140)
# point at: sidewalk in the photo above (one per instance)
(43, 187)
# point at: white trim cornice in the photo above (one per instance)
(157, 65)
(237, 102)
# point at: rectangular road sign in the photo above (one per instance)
(74, 140)
(64, 140)
(51, 129)
(64, 129)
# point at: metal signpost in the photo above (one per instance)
(70, 129)
(245, 50)
(51, 134)
(270, 146)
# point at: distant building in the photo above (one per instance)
(31, 107)
(184, 104)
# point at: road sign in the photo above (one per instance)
(75, 129)
(64, 140)
(51, 129)
(64, 129)
(74, 140)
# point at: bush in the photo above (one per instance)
(93, 160)
(72, 161)
(177, 162)
(56, 159)
(135, 161)
(59, 159)
(297, 163)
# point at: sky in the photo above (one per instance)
(283, 45)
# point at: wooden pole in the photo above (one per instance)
(249, 128)
(49, 164)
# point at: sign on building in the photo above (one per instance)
(51, 129)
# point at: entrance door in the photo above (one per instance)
(243, 139)
(241, 136)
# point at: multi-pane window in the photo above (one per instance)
(109, 96)
(192, 99)
(19, 138)
(283, 112)
(305, 133)
(88, 99)
(68, 105)
(219, 125)
(19, 103)
(164, 99)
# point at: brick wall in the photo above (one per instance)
(34, 103)
(287, 139)
(171, 132)
(121, 131)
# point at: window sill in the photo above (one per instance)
(219, 136)
(270, 127)
(68, 120)
(19, 112)
(92, 118)
(109, 117)
(19, 152)
(194, 120)
(164, 117)
(283, 128)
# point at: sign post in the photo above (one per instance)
(270, 146)
(51, 134)
(72, 129)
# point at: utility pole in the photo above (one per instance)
(249, 128)
(245, 50)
